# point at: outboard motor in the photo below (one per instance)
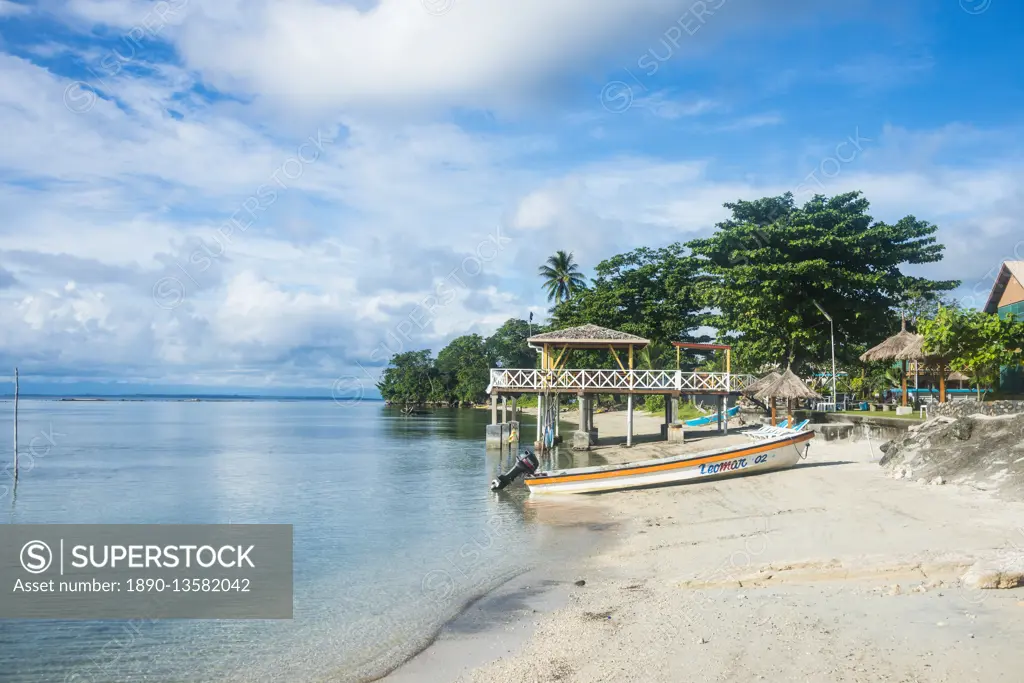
(527, 463)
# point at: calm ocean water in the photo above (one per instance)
(394, 529)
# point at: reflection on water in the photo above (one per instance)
(394, 524)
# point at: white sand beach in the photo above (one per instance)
(830, 571)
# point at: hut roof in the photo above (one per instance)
(756, 386)
(888, 349)
(914, 350)
(958, 377)
(589, 335)
(788, 385)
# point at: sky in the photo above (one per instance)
(275, 195)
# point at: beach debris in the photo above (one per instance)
(580, 582)
(702, 641)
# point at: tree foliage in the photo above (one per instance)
(975, 343)
(771, 261)
(562, 277)
(460, 373)
(466, 360)
(408, 377)
(508, 347)
(652, 293)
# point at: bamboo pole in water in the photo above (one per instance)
(15, 424)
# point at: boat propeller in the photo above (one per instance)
(525, 464)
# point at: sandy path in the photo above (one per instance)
(827, 572)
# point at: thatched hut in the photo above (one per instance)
(786, 386)
(890, 349)
(756, 386)
(914, 351)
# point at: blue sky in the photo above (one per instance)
(267, 195)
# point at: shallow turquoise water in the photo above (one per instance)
(394, 527)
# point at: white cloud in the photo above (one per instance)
(11, 9)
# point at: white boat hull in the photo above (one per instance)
(762, 456)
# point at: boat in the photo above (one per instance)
(708, 419)
(780, 452)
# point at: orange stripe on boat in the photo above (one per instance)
(541, 481)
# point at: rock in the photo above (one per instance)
(895, 590)
(938, 481)
(581, 582)
(1004, 572)
(922, 481)
(962, 429)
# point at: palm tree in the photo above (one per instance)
(562, 277)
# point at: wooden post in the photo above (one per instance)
(904, 373)
(558, 414)
(789, 412)
(678, 359)
(494, 409)
(772, 399)
(629, 419)
(942, 382)
(721, 402)
(540, 421)
(15, 424)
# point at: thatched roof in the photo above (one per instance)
(888, 349)
(588, 335)
(788, 385)
(958, 377)
(915, 350)
(756, 386)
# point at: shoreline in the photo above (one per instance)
(830, 570)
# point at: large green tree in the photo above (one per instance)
(408, 378)
(466, 359)
(770, 262)
(562, 276)
(652, 293)
(508, 347)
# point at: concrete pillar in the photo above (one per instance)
(668, 410)
(582, 400)
(494, 409)
(675, 408)
(721, 410)
(515, 412)
(629, 420)
(725, 414)
(590, 412)
(504, 409)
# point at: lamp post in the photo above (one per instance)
(832, 328)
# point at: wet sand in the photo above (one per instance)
(830, 571)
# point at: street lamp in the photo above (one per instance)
(833, 330)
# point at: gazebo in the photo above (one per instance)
(914, 351)
(787, 386)
(555, 348)
(890, 350)
(554, 378)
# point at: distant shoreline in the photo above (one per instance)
(180, 398)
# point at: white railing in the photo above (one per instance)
(611, 380)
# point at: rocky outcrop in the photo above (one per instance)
(981, 446)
